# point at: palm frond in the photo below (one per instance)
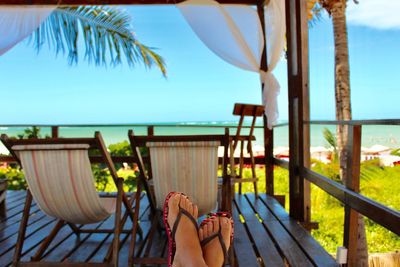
(315, 11)
(330, 138)
(106, 32)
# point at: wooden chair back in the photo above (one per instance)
(187, 164)
(60, 178)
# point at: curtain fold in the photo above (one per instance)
(16, 23)
(234, 33)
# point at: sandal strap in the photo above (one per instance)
(221, 242)
(178, 218)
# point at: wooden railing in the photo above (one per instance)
(348, 194)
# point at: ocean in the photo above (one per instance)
(371, 134)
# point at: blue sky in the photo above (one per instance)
(42, 88)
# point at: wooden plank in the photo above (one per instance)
(260, 208)
(248, 109)
(275, 207)
(9, 243)
(15, 215)
(67, 245)
(35, 234)
(287, 246)
(92, 243)
(265, 246)
(308, 244)
(13, 229)
(244, 252)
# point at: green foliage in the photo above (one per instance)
(15, 177)
(107, 35)
(31, 132)
(120, 149)
(395, 152)
(332, 141)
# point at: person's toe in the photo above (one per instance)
(173, 208)
(195, 211)
(215, 225)
(201, 236)
(189, 207)
(226, 229)
(210, 227)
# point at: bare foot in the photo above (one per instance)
(188, 250)
(213, 252)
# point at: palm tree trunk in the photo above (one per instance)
(342, 78)
(343, 106)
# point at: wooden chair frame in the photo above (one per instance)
(138, 142)
(246, 110)
(111, 258)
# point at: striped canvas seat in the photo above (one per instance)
(60, 179)
(189, 167)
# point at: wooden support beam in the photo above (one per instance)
(352, 182)
(298, 83)
(54, 131)
(268, 133)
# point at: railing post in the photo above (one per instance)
(268, 133)
(54, 131)
(298, 98)
(269, 160)
(352, 182)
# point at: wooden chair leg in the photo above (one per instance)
(253, 170)
(47, 241)
(22, 228)
(241, 163)
(74, 229)
(122, 224)
(117, 225)
(135, 225)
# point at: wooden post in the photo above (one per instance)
(353, 183)
(54, 131)
(298, 83)
(268, 133)
(3, 194)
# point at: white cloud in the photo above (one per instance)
(380, 14)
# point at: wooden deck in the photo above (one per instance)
(264, 236)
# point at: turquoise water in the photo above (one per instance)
(371, 134)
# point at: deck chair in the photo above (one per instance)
(60, 181)
(186, 164)
(253, 111)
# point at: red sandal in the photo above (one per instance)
(171, 231)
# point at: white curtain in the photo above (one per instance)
(234, 33)
(16, 23)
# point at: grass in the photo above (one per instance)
(379, 184)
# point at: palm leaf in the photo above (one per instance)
(106, 32)
(330, 138)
